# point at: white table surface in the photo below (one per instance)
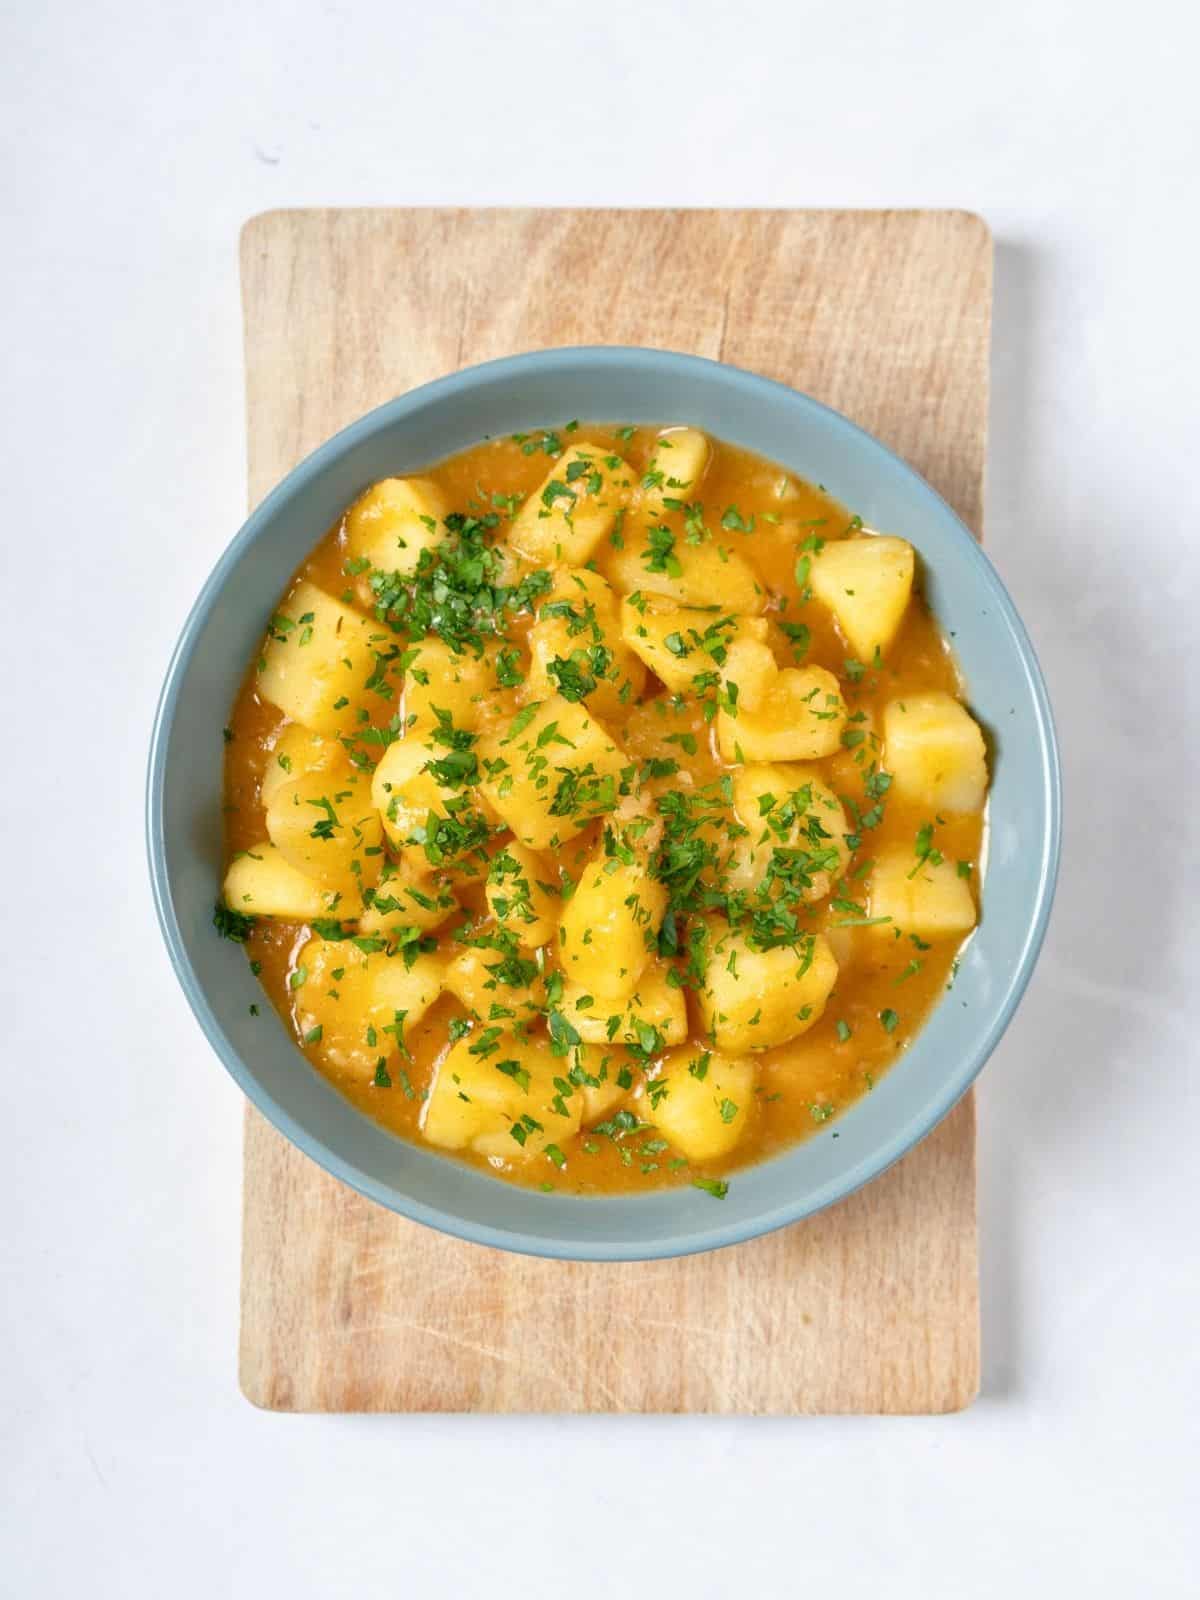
(136, 139)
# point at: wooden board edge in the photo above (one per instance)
(250, 1379)
(264, 222)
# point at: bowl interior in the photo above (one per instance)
(1005, 691)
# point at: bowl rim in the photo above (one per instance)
(719, 1236)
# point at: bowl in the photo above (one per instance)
(1006, 693)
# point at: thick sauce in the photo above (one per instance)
(887, 979)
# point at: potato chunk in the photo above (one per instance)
(394, 521)
(574, 508)
(749, 673)
(866, 583)
(296, 753)
(439, 679)
(317, 661)
(497, 985)
(503, 1100)
(655, 558)
(799, 717)
(753, 999)
(702, 1101)
(929, 900)
(677, 465)
(360, 999)
(406, 897)
(935, 752)
(433, 825)
(604, 1075)
(797, 830)
(656, 1006)
(262, 883)
(327, 826)
(405, 792)
(682, 643)
(609, 927)
(550, 771)
(576, 647)
(522, 894)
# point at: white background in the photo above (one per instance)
(137, 138)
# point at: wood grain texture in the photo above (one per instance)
(871, 1307)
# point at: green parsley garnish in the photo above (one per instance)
(717, 1187)
(232, 924)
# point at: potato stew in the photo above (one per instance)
(602, 808)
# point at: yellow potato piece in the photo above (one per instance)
(935, 752)
(433, 825)
(577, 640)
(262, 883)
(503, 1101)
(608, 931)
(702, 1101)
(405, 897)
(788, 807)
(295, 753)
(754, 999)
(849, 766)
(318, 659)
(353, 996)
(327, 826)
(495, 987)
(656, 1004)
(394, 521)
(574, 508)
(605, 1075)
(404, 792)
(799, 717)
(866, 583)
(677, 464)
(930, 900)
(550, 771)
(522, 894)
(750, 665)
(654, 557)
(682, 643)
(459, 684)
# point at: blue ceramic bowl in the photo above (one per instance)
(1006, 691)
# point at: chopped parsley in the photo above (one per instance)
(232, 924)
(717, 1187)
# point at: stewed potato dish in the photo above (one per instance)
(602, 808)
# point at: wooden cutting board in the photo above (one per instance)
(871, 1307)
